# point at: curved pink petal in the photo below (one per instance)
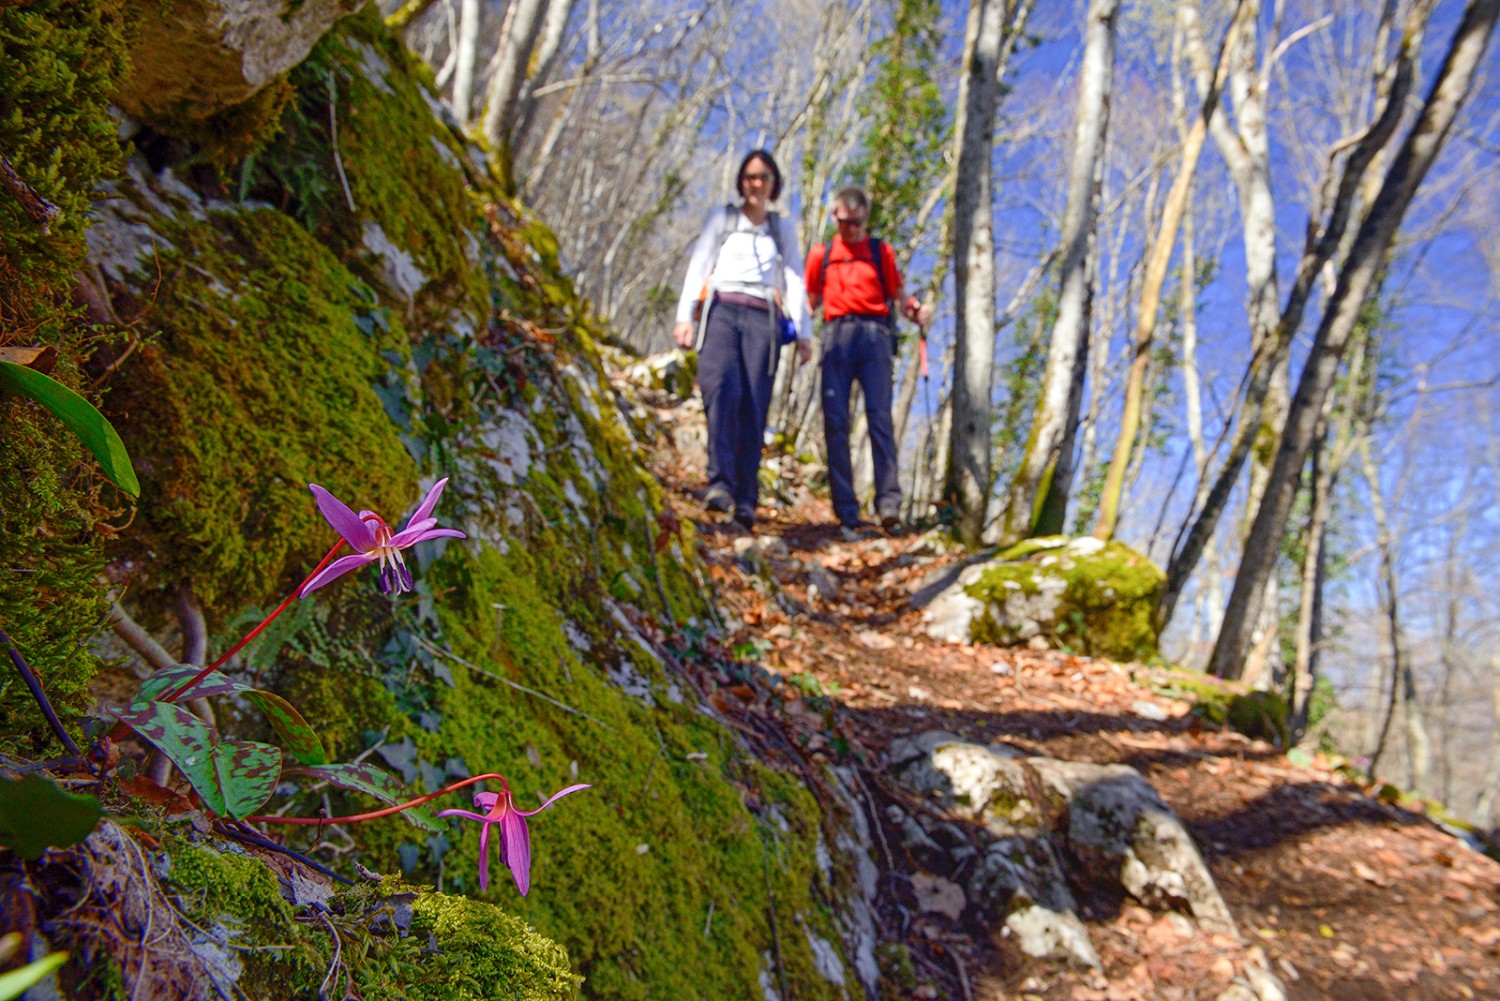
(337, 568)
(485, 801)
(466, 815)
(517, 841)
(424, 509)
(407, 538)
(552, 799)
(484, 857)
(344, 521)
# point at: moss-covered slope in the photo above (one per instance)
(357, 304)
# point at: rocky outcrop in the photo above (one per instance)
(1013, 832)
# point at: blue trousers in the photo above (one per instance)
(859, 348)
(736, 370)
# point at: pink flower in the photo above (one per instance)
(515, 839)
(371, 539)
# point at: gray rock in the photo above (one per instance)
(1051, 935)
(821, 579)
(1118, 826)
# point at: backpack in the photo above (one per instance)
(877, 258)
(730, 212)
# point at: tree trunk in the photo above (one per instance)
(464, 53)
(1358, 276)
(1485, 813)
(548, 48)
(968, 472)
(523, 23)
(1155, 277)
(1047, 467)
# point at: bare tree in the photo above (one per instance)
(1155, 278)
(1356, 279)
(1047, 466)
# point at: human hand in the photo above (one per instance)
(924, 315)
(684, 334)
(804, 351)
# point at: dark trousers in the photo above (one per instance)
(858, 348)
(736, 369)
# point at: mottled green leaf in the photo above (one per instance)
(301, 739)
(233, 778)
(171, 678)
(372, 781)
(36, 815)
(96, 433)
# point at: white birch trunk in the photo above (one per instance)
(1047, 467)
(968, 471)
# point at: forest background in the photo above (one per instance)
(1172, 197)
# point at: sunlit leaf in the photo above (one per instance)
(16, 982)
(96, 433)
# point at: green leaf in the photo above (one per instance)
(373, 782)
(301, 739)
(170, 678)
(36, 815)
(96, 433)
(16, 982)
(233, 778)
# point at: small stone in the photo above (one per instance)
(642, 849)
(1148, 710)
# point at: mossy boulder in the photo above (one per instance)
(1091, 597)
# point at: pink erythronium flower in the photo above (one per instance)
(372, 539)
(515, 839)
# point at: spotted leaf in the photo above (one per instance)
(233, 778)
(301, 739)
(170, 678)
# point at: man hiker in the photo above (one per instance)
(855, 280)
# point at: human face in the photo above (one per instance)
(851, 223)
(757, 181)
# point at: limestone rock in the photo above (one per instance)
(1118, 825)
(209, 55)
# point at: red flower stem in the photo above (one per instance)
(177, 692)
(372, 815)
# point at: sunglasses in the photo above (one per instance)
(759, 178)
(848, 221)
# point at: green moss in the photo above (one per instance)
(260, 382)
(391, 938)
(1260, 715)
(59, 60)
(1097, 602)
(490, 954)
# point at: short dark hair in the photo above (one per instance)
(770, 161)
(854, 198)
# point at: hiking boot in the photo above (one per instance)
(718, 499)
(855, 530)
(890, 518)
(745, 519)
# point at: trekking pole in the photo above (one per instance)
(788, 442)
(931, 415)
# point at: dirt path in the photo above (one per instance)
(1340, 895)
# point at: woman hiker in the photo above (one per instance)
(743, 287)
